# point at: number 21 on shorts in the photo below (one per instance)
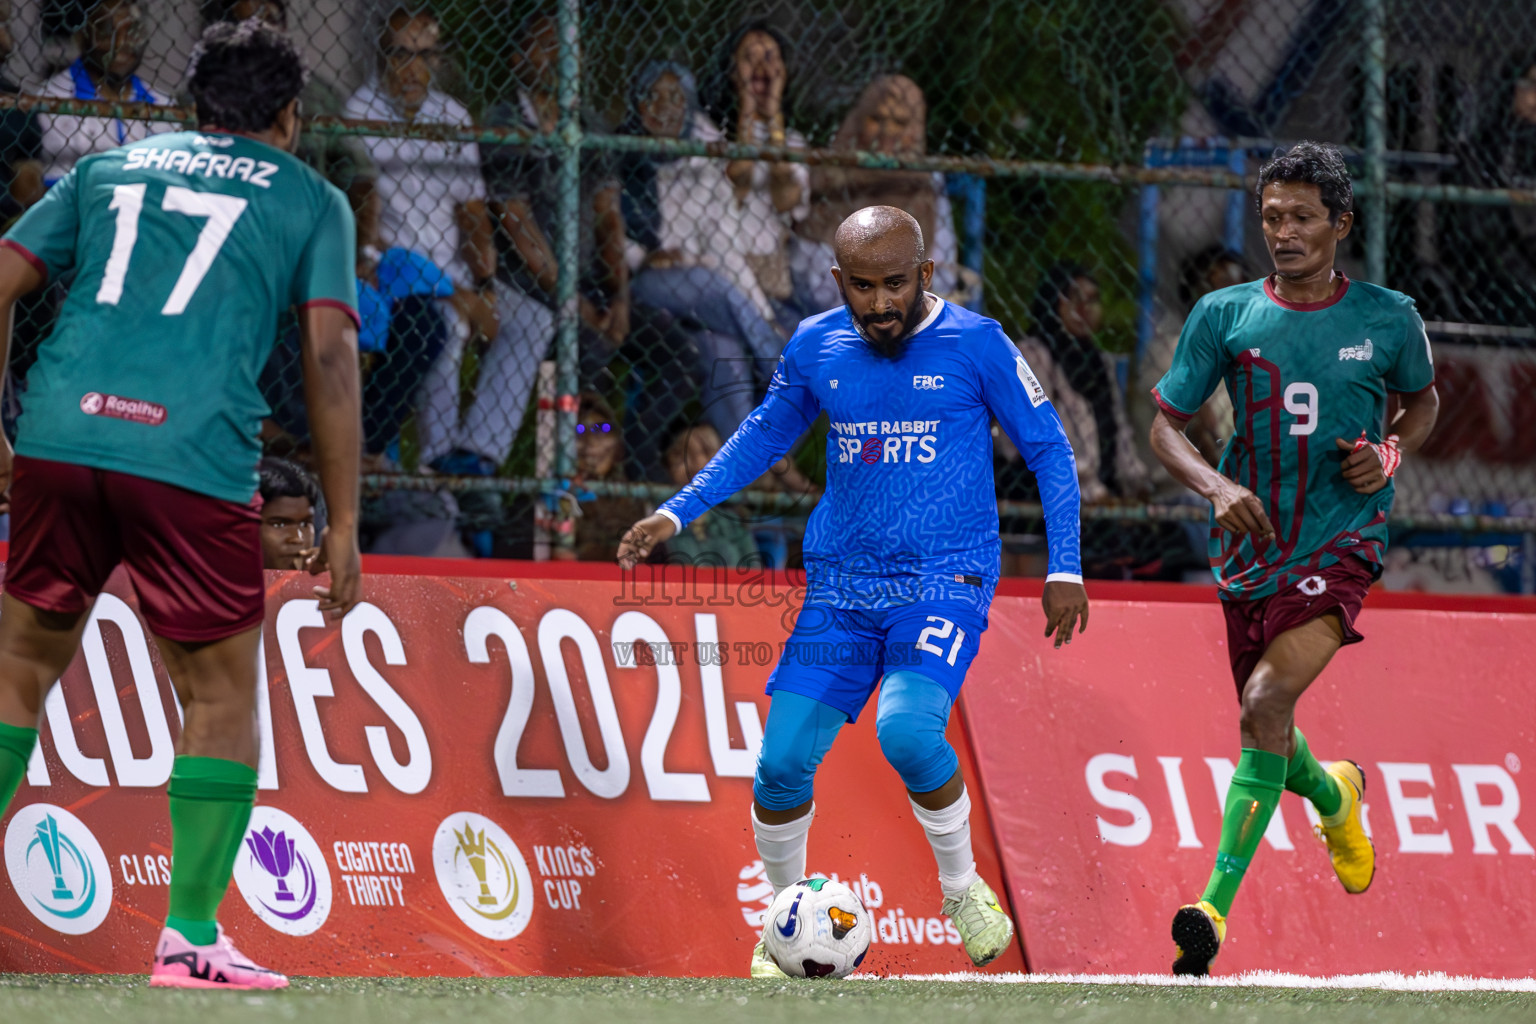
(941, 633)
(128, 200)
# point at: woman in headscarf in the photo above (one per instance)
(681, 218)
(891, 117)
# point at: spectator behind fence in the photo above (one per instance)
(600, 459)
(111, 49)
(1211, 268)
(21, 142)
(342, 159)
(1499, 242)
(1079, 379)
(745, 95)
(290, 500)
(718, 537)
(525, 184)
(685, 234)
(891, 117)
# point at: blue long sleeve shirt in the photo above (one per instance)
(910, 508)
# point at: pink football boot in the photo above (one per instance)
(179, 964)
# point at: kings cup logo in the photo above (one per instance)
(482, 875)
(58, 869)
(282, 874)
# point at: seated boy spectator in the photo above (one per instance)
(111, 49)
(21, 143)
(600, 458)
(717, 538)
(290, 499)
(1079, 377)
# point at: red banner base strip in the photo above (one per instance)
(467, 778)
(1106, 765)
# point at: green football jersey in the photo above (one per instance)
(184, 250)
(1300, 377)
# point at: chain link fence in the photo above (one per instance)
(585, 231)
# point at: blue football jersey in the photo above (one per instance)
(910, 508)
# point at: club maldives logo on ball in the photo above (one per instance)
(58, 869)
(483, 875)
(282, 874)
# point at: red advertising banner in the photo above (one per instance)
(1106, 765)
(466, 776)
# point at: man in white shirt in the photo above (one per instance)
(112, 47)
(432, 201)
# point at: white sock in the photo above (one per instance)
(949, 833)
(782, 848)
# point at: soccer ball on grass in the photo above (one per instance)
(817, 928)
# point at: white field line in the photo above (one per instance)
(1386, 981)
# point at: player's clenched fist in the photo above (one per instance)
(1066, 605)
(1238, 510)
(638, 540)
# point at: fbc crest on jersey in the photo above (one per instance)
(910, 511)
(1301, 377)
(184, 249)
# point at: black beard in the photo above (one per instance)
(894, 348)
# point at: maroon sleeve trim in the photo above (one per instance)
(335, 304)
(1171, 410)
(30, 256)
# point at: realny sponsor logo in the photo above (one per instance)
(58, 869)
(483, 875)
(282, 874)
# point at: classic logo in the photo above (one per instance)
(282, 874)
(58, 869)
(755, 893)
(483, 875)
(1361, 352)
(1031, 384)
(834, 385)
(1312, 586)
(923, 382)
(94, 403)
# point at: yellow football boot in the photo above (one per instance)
(763, 965)
(1353, 855)
(1198, 932)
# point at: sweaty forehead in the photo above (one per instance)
(870, 245)
(1292, 194)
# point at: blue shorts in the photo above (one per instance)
(839, 655)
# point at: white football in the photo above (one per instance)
(817, 928)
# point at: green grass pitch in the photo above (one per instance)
(64, 999)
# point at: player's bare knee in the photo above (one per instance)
(1268, 705)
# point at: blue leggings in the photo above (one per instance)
(913, 713)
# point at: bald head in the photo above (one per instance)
(879, 236)
(883, 274)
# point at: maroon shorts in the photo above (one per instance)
(194, 561)
(1253, 625)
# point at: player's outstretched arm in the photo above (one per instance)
(1238, 509)
(332, 392)
(18, 276)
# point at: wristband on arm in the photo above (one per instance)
(1387, 453)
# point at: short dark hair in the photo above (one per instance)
(1055, 284)
(242, 74)
(283, 479)
(1312, 163)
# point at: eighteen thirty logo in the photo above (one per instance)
(58, 869)
(483, 875)
(282, 874)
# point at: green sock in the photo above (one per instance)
(16, 743)
(1307, 779)
(1251, 802)
(211, 803)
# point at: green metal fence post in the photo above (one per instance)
(567, 248)
(1376, 141)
